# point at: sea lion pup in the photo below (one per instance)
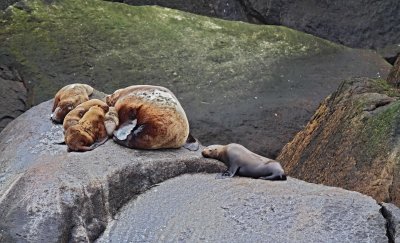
(89, 133)
(111, 121)
(243, 162)
(67, 98)
(77, 113)
(150, 117)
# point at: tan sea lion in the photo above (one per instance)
(150, 117)
(68, 98)
(243, 162)
(77, 113)
(111, 121)
(89, 133)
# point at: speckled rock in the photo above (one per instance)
(50, 195)
(352, 141)
(200, 208)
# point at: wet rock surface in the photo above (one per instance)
(50, 195)
(13, 95)
(352, 141)
(200, 208)
(250, 84)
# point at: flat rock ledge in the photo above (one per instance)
(50, 195)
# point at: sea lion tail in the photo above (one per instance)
(192, 143)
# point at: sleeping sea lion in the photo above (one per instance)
(243, 162)
(77, 113)
(150, 117)
(68, 98)
(89, 133)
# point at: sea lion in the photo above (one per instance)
(69, 97)
(243, 162)
(89, 133)
(150, 117)
(77, 113)
(111, 121)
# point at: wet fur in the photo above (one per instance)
(76, 114)
(89, 133)
(243, 162)
(67, 98)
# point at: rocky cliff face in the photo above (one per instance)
(50, 195)
(352, 141)
(394, 75)
(250, 84)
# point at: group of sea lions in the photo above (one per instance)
(145, 117)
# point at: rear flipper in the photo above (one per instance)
(91, 147)
(273, 177)
(192, 143)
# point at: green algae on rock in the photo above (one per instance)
(352, 141)
(251, 84)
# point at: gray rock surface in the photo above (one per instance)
(392, 215)
(200, 208)
(50, 195)
(13, 95)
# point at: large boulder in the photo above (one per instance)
(352, 141)
(200, 208)
(13, 95)
(250, 84)
(362, 24)
(50, 195)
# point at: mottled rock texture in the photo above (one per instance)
(50, 195)
(200, 208)
(13, 95)
(249, 84)
(352, 141)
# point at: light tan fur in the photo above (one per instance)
(243, 162)
(69, 97)
(76, 114)
(111, 120)
(89, 133)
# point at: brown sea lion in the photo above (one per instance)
(150, 117)
(111, 121)
(89, 133)
(77, 113)
(243, 162)
(68, 98)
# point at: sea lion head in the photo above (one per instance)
(63, 108)
(212, 151)
(78, 139)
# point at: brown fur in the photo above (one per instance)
(243, 162)
(76, 114)
(89, 133)
(160, 120)
(68, 98)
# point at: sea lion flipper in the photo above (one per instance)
(192, 143)
(125, 129)
(274, 177)
(228, 173)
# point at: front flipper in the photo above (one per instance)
(125, 129)
(274, 177)
(192, 143)
(231, 172)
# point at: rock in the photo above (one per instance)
(250, 84)
(50, 195)
(13, 95)
(361, 24)
(392, 215)
(394, 75)
(224, 9)
(390, 52)
(352, 141)
(200, 208)
(5, 3)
